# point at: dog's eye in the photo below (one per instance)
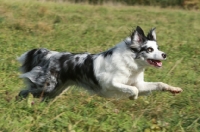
(149, 49)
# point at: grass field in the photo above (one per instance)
(78, 28)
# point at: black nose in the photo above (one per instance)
(164, 55)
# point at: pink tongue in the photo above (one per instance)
(157, 63)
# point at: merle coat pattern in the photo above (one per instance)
(117, 72)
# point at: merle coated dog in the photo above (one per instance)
(117, 72)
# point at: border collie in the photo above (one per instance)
(117, 72)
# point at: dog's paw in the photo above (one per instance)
(135, 94)
(175, 90)
(133, 97)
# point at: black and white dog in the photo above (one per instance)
(117, 72)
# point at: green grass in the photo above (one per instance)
(78, 28)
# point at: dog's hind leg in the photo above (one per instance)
(31, 89)
(126, 89)
(39, 86)
(23, 93)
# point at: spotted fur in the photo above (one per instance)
(117, 72)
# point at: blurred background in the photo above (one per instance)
(186, 4)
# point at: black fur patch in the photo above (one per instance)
(144, 48)
(82, 73)
(150, 36)
(77, 58)
(134, 50)
(27, 66)
(140, 31)
(35, 57)
(108, 52)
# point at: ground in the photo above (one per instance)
(85, 28)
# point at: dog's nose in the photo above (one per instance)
(164, 55)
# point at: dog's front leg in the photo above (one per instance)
(151, 86)
(132, 90)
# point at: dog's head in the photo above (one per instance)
(145, 48)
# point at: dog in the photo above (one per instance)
(115, 73)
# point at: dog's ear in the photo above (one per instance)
(138, 35)
(152, 34)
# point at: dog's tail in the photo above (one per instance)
(32, 70)
(34, 57)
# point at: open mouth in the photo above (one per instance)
(155, 63)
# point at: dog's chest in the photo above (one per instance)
(135, 78)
